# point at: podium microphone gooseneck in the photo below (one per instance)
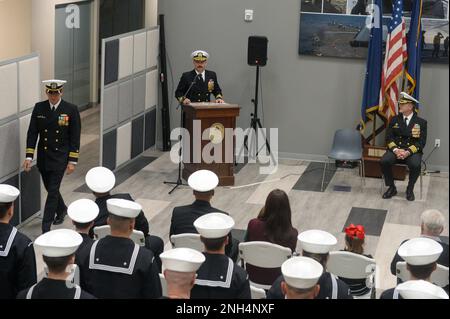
(180, 104)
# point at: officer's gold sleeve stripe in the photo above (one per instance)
(219, 96)
(413, 149)
(391, 145)
(30, 150)
(75, 155)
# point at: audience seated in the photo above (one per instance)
(354, 243)
(218, 277)
(17, 258)
(420, 255)
(101, 181)
(58, 251)
(202, 183)
(431, 226)
(273, 225)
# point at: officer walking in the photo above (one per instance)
(57, 124)
(405, 137)
(17, 259)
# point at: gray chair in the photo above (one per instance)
(347, 146)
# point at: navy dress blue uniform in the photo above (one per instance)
(54, 289)
(330, 288)
(118, 268)
(220, 278)
(412, 138)
(84, 249)
(201, 90)
(17, 262)
(183, 218)
(59, 142)
(154, 243)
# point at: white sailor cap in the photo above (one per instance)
(59, 242)
(199, 55)
(420, 289)
(123, 207)
(83, 210)
(214, 225)
(301, 272)
(203, 180)
(317, 241)
(54, 85)
(100, 179)
(420, 251)
(8, 193)
(406, 98)
(182, 259)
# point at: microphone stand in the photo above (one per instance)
(180, 104)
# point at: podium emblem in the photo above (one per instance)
(216, 133)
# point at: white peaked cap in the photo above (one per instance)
(214, 225)
(182, 259)
(8, 193)
(100, 179)
(123, 207)
(317, 241)
(301, 272)
(59, 242)
(203, 180)
(420, 289)
(83, 210)
(420, 251)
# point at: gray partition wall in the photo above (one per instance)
(19, 91)
(129, 89)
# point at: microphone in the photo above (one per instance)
(198, 76)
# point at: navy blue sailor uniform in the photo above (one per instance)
(117, 268)
(331, 287)
(154, 243)
(54, 289)
(84, 248)
(220, 278)
(411, 138)
(59, 143)
(17, 262)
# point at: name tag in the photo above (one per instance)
(41, 117)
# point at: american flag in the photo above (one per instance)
(396, 55)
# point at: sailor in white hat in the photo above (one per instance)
(57, 124)
(420, 255)
(199, 84)
(218, 277)
(317, 244)
(116, 261)
(301, 276)
(101, 181)
(180, 267)
(406, 137)
(83, 212)
(58, 251)
(17, 259)
(203, 182)
(420, 289)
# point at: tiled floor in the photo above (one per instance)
(388, 222)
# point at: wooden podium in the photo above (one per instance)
(219, 117)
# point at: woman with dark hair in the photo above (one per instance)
(273, 225)
(354, 243)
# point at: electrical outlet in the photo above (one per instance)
(437, 143)
(248, 15)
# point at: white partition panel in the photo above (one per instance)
(29, 83)
(152, 47)
(123, 144)
(151, 89)
(24, 122)
(8, 90)
(140, 49)
(125, 57)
